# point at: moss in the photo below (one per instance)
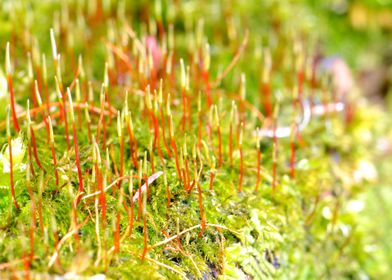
(303, 229)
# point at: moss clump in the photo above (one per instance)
(140, 89)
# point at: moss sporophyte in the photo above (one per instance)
(147, 146)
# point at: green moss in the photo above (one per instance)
(305, 229)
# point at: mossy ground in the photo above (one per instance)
(309, 227)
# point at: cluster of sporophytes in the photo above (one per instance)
(151, 150)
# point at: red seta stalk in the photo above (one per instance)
(186, 175)
(207, 88)
(26, 264)
(117, 225)
(132, 206)
(35, 149)
(266, 93)
(163, 133)
(117, 234)
(174, 147)
(102, 197)
(12, 101)
(300, 82)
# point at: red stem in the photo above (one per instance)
(117, 233)
(186, 176)
(163, 133)
(132, 147)
(300, 81)
(35, 149)
(207, 88)
(12, 101)
(265, 90)
(32, 93)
